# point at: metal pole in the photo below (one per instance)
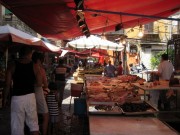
(6, 55)
(125, 60)
(129, 14)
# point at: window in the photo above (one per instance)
(148, 28)
(8, 15)
(133, 49)
(7, 12)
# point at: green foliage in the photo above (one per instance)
(154, 62)
(171, 54)
(155, 59)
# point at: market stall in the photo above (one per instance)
(96, 47)
(116, 107)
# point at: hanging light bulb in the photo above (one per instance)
(140, 34)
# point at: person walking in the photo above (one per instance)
(22, 76)
(60, 73)
(38, 59)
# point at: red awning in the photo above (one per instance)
(57, 18)
(96, 55)
(95, 51)
(86, 53)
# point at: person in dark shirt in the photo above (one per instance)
(60, 73)
(109, 70)
(22, 76)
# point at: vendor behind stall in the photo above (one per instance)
(109, 70)
(165, 71)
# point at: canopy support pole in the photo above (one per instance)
(131, 14)
(6, 58)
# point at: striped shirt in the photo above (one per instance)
(52, 104)
(60, 73)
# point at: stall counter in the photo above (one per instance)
(113, 125)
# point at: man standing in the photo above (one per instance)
(21, 76)
(109, 70)
(165, 71)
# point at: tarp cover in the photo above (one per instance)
(10, 36)
(57, 19)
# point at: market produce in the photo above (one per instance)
(135, 107)
(104, 107)
(130, 78)
(110, 89)
(100, 97)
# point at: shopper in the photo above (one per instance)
(165, 71)
(22, 76)
(42, 109)
(52, 101)
(60, 73)
(120, 68)
(109, 70)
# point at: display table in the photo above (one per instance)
(108, 117)
(147, 73)
(162, 86)
(113, 125)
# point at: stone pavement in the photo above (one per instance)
(5, 121)
(69, 123)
